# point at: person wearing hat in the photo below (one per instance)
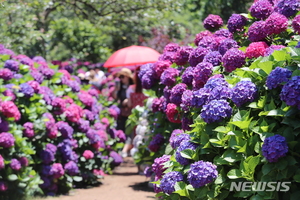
(122, 93)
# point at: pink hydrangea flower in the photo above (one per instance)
(172, 113)
(256, 49)
(87, 154)
(9, 109)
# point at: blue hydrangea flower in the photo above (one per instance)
(202, 173)
(216, 111)
(274, 147)
(197, 56)
(47, 156)
(220, 92)
(185, 144)
(261, 9)
(144, 69)
(287, 7)
(236, 22)
(243, 92)
(12, 65)
(215, 82)
(227, 44)
(168, 77)
(213, 57)
(186, 100)
(26, 89)
(176, 93)
(277, 76)
(169, 180)
(200, 97)
(290, 92)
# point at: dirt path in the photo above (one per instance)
(124, 184)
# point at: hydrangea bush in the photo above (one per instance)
(55, 134)
(238, 117)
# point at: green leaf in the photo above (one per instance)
(266, 66)
(244, 125)
(234, 174)
(187, 153)
(12, 177)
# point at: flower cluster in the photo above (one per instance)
(156, 143)
(233, 58)
(256, 49)
(177, 92)
(261, 9)
(168, 77)
(276, 23)
(216, 111)
(287, 7)
(169, 180)
(185, 144)
(7, 140)
(182, 55)
(202, 173)
(278, 76)
(272, 48)
(172, 113)
(243, 92)
(296, 24)
(178, 137)
(274, 147)
(257, 31)
(290, 92)
(158, 165)
(200, 35)
(236, 22)
(197, 56)
(212, 22)
(201, 74)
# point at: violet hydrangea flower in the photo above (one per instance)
(212, 22)
(38, 77)
(28, 130)
(65, 129)
(185, 144)
(4, 126)
(233, 58)
(216, 111)
(182, 55)
(158, 165)
(117, 159)
(176, 93)
(244, 92)
(71, 168)
(26, 89)
(211, 42)
(186, 121)
(276, 24)
(272, 48)
(167, 183)
(200, 35)
(213, 57)
(168, 77)
(12, 65)
(188, 76)
(290, 92)
(261, 9)
(224, 33)
(200, 97)
(274, 147)
(15, 164)
(7, 140)
(278, 76)
(176, 139)
(287, 7)
(186, 100)
(156, 142)
(227, 44)
(236, 22)
(197, 56)
(202, 173)
(257, 31)
(201, 74)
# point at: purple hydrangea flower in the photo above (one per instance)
(27, 61)
(261, 9)
(12, 65)
(28, 129)
(7, 140)
(236, 22)
(185, 144)
(233, 58)
(201, 74)
(144, 69)
(200, 35)
(243, 92)
(168, 77)
(148, 172)
(227, 44)
(7, 52)
(277, 77)
(51, 147)
(18, 76)
(216, 111)
(167, 56)
(160, 66)
(212, 22)
(47, 156)
(46, 71)
(176, 139)
(167, 93)
(66, 151)
(169, 180)
(296, 24)
(26, 89)
(74, 85)
(224, 33)
(182, 55)
(213, 57)
(197, 56)
(10, 93)
(211, 42)
(219, 93)
(186, 121)
(117, 159)
(171, 47)
(272, 48)
(83, 125)
(71, 168)
(3, 184)
(57, 170)
(38, 59)
(24, 161)
(290, 92)
(65, 129)
(274, 147)
(88, 115)
(188, 76)
(6, 74)
(202, 173)
(148, 80)
(4, 126)
(257, 31)
(46, 170)
(186, 100)
(176, 93)
(276, 23)
(2, 163)
(156, 142)
(287, 7)
(158, 165)
(215, 82)
(15, 164)
(200, 97)
(38, 77)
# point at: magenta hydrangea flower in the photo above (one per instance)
(168, 77)
(156, 142)
(274, 147)
(28, 130)
(197, 56)
(35, 85)
(73, 113)
(287, 7)
(201, 74)
(256, 49)
(182, 55)
(10, 93)
(57, 170)
(212, 22)
(10, 110)
(278, 76)
(160, 66)
(176, 93)
(171, 47)
(257, 31)
(86, 98)
(290, 92)
(15, 164)
(261, 9)
(158, 165)
(244, 92)
(6, 74)
(87, 154)
(121, 135)
(227, 44)
(233, 58)
(236, 22)
(216, 111)
(185, 144)
(12, 65)
(272, 48)
(276, 23)
(172, 113)
(213, 57)
(200, 35)
(296, 24)
(202, 173)
(2, 163)
(3, 186)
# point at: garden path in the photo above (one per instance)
(123, 184)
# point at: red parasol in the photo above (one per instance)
(133, 55)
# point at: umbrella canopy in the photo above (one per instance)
(133, 55)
